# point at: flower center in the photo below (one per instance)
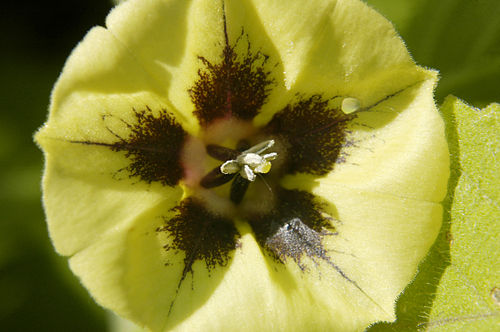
(251, 162)
(243, 165)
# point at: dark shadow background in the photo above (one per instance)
(37, 291)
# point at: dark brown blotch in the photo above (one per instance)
(313, 134)
(236, 87)
(153, 147)
(294, 229)
(200, 235)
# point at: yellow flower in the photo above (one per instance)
(244, 165)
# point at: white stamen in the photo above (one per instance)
(270, 156)
(261, 147)
(251, 161)
(247, 173)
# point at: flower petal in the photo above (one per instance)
(405, 154)
(386, 235)
(337, 48)
(176, 42)
(159, 34)
(85, 182)
(295, 300)
(180, 275)
(92, 107)
(130, 271)
(373, 247)
(101, 65)
(277, 298)
(80, 200)
(125, 271)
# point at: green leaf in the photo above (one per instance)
(460, 38)
(456, 286)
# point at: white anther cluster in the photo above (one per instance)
(251, 162)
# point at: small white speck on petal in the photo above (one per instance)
(350, 105)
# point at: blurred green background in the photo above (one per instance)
(460, 38)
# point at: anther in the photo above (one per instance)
(221, 153)
(215, 178)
